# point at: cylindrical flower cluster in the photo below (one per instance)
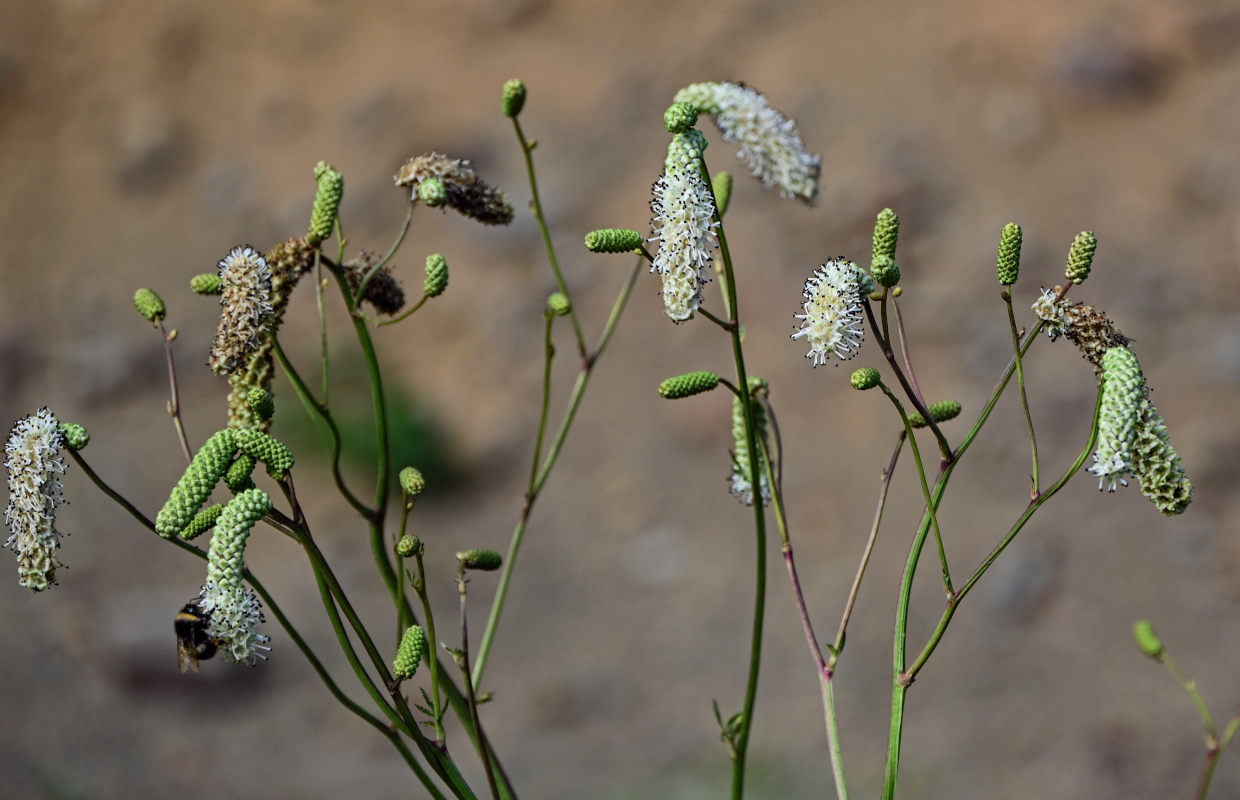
(687, 385)
(465, 191)
(204, 471)
(684, 220)
(245, 303)
(233, 610)
(1123, 388)
(831, 323)
(31, 456)
(409, 654)
(741, 481)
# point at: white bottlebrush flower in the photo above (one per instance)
(245, 303)
(684, 222)
(832, 319)
(234, 613)
(769, 142)
(31, 457)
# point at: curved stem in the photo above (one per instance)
(437, 709)
(1024, 398)
(406, 315)
(904, 351)
(548, 355)
(383, 262)
(174, 404)
(463, 661)
(527, 150)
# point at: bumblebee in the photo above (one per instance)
(194, 641)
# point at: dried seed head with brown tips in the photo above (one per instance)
(383, 292)
(245, 303)
(466, 192)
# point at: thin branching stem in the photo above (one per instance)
(462, 658)
(904, 352)
(174, 403)
(383, 262)
(1024, 397)
(548, 356)
(419, 588)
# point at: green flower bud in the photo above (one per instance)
(941, 411)
(207, 283)
(409, 654)
(721, 185)
(412, 482)
(238, 478)
(326, 202)
(76, 437)
(1081, 256)
(1123, 389)
(266, 448)
(613, 240)
(202, 522)
(436, 275)
(558, 304)
(513, 97)
(687, 385)
(885, 271)
(409, 546)
(432, 192)
(865, 378)
(680, 117)
(1007, 264)
(886, 232)
(149, 305)
(1157, 465)
(480, 559)
(203, 472)
(1147, 640)
(262, 403)
(225, 557)
(740, 482)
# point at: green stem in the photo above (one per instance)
(1213, 753)
(383, 262)
(537, 209)
(1024, 398)
(318, 300)
(548, 355)
(420, 589)
(406, 315)
(315, 408)
(574, 402)
(401, 621)
(463, 660)
(1190, 686)
(174, 404)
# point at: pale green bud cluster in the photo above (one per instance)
(1123, 388)
(685, 151)
(412, 482)
(266, 448)
(149, 305)
(1007, 263)
(1147, 640)
(865, 378)
(409, 546)
(409, 653)
(326, 202)
(226, 556)
(886, 233)
(1081, 256)
(436, 275)
(721, 185)
(613, 240)
(559, 304)
(885, 271)
(76, 436)
(1157, 465)
(680, 117)
(941, 411)
(480, 559)
(687, 385)
(432, 192)
(202, 522)
(262, 403)
(238, 478)
(512, 99)
(204, 471)
(207, 283)
(741, 481)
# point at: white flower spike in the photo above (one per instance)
(831, 323)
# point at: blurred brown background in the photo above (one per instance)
(140, 141)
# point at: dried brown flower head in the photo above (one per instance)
(384, 292)
(467, 193)
(244, 303)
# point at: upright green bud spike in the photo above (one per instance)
(613, 240)
(559, 304)
(76, 437)
(207, 283)
(687, 385)
(149, 305)
(432, 192)
(409, 654)
(266, 448)
(262, 403)
(680, 117)
(886, 232)
(1147, 640)
(885, 271)
(721, 184)
(1007, 264)
(409, 546)
(202, 522)
(326, 202)
(239, 475)
(436, 275)
(1081, 256)
(865, 378)
(412, 482)
(513, 97)
(203, 472)
(480, 559)
(941, 411)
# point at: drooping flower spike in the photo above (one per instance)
(234, 610)
(32, 459)
(769, 142)
(831, 323)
